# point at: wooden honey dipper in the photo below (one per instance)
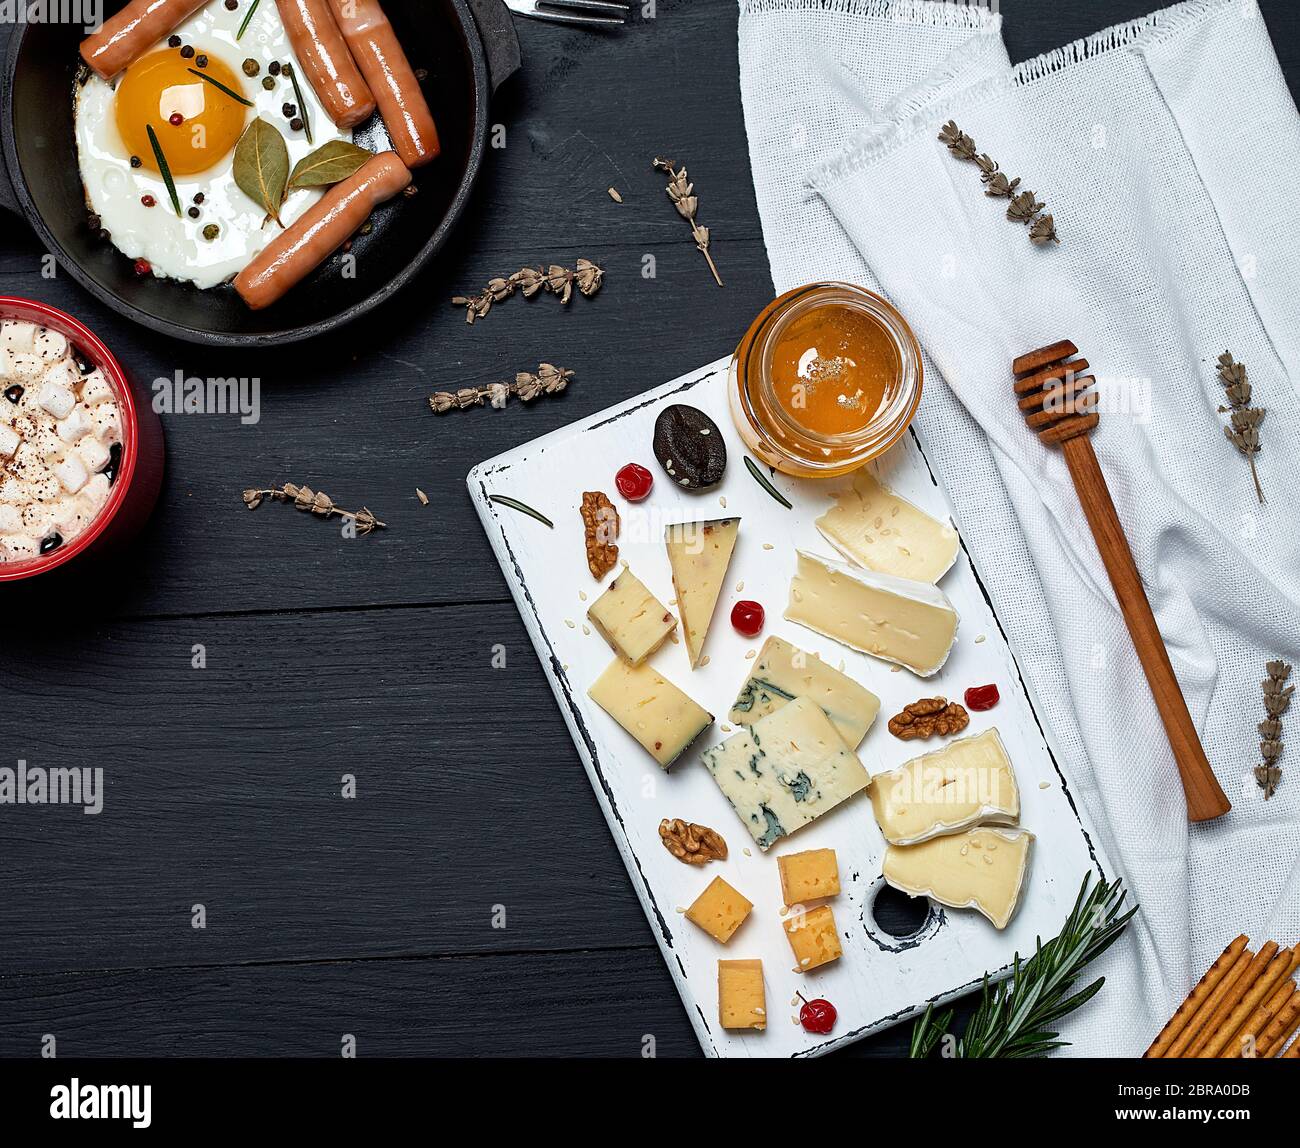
(1053, 394)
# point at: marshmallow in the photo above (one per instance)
(9, 441)
(77, 423)
(108, 424)
(71, 473)
(47, 442)
(64, 373)
(17, 335)
(72, 516)
(11, 519)
(50, 345)
(18, 547)
(95, 388)
(57, 399)
(26, 367)
(38, 520)
(25, 425)
(95, 493)
(93, 454)
(13, 491)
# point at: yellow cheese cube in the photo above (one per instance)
(741, 1000)
(809, 875)
(813, 937)
(719, 910)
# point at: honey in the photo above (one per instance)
(826, 378)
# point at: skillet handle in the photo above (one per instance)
(500, 40)
(8, 197)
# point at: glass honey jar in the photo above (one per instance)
(825, 379)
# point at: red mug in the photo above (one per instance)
(139, 478)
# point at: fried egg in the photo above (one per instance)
(197, 126)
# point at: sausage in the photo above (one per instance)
(323, 228)
(324, 57)
(378, 53)
(121, 41)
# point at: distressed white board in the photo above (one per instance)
(880, 980)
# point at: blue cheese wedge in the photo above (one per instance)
(875, 528)
(631, 619)
(699, 553)
(894, 619)
(785, 771)
(968, 782)
(980, 869)
(653, 710)
(784, 672)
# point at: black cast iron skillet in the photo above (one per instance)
(468, 47)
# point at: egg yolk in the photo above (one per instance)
(160, 88)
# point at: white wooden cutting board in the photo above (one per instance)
(881, 979)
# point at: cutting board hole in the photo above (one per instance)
(899, 916)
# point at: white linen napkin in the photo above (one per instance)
(1166, 150)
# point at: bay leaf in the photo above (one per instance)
(329, 164)
(261, 166)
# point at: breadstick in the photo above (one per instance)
(1197, 997)
(1273, 1038)
(1216, 1020)
(1261, 1019)
(1197, 1024)
(1264, 986)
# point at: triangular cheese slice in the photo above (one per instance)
(699, 553)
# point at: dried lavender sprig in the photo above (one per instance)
(1244, 420)
(682, 192)
(549, 380)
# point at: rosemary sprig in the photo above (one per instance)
(292, 72)
(234, 95)
(1277, 700)
(522, 507)
(1243, 426)
(766, 483)
(528, 281)
(315, 502)
(163, 168)
(1013, 1018)
(549, 380)
(682, 192)
(1024, 206)
(248, 16)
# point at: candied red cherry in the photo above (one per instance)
(634, 482)
(817, 1016)
(982, 697)
(176, 119)
(148, 200)
(748, 618)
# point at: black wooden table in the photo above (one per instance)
(238, 668)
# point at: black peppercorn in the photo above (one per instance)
(273, 67)
(135, 161)
(194, 213)
(295, 124)
(187, 52)
(251, 67)
(198, 197)
(173, 41)
(201, 61)
(289, 110)
(105, 235)
(268, 83)
(287, 69)
(211, 232)
(231, 5)
(93, 222)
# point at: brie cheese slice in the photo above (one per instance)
(968, 782)
(980, 869)
(894, 619)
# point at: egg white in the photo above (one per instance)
(175, 248)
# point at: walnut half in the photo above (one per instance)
(690, 843)
(928, 717)
(601, 522)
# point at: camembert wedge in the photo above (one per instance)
(653, 710)
(699, 553)
(631, 619)
(875, 528)
(784, 672)
(894, 619)
(786, 771)
(980, 869)
(968, 782)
